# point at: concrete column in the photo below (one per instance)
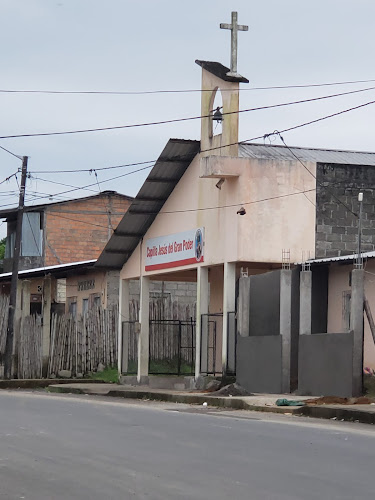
(305, 302)
(243, 313)
(356, 320)
(123, 331)
(229, 305)
(47, 291)
(286, 326)
(201, 334)
(143, 339)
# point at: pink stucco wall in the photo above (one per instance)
(339, 283)
(269, 226)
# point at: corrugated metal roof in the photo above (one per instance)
(273, 152)
(58, 269)
(168, 170)
(31, 208)
(342, 258)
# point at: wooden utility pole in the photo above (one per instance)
(8, 357)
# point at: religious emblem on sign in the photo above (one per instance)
(198, 244)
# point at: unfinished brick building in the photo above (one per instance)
(63, 232)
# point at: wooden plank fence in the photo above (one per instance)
(4, 308)
(30, 348)
(81, 344)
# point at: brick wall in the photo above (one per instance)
(337, 227)
(78, 230)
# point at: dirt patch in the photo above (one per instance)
(232, 390)
(333, 400)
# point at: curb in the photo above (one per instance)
(42, 383)
(213, 401)
(338, 413)
(323, 412)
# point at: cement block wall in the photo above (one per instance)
(259, 363)
(325, 364)
(336, 227)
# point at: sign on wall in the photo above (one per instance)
(174, 250)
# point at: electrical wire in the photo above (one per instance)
(314, 176)
(54, 214)
(234, 143)
(91, 169)
(10, 152)
(176, 91)
(8, 178)
(177, 120)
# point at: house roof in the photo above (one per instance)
(163, 178)
(273, 152)
(220, 71)
(60, 270)
(8, 212)
(343, 258)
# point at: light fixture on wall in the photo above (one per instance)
(241, 211)
(220, 183)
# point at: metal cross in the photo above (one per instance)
(234, 27)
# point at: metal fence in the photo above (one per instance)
(211, 343)
(171, 347)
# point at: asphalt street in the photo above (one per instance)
(65, 447)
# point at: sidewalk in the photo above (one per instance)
(258, 402)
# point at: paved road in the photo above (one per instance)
(59, 447)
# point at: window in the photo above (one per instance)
(72, 306)
(85, 306)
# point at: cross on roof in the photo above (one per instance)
(234, 27)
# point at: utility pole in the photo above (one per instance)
(359, 257)
(8, 357)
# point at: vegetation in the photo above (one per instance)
(369, 385)
(109, 374)
(2, 248)
(163, 367)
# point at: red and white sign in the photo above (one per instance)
(175, 250)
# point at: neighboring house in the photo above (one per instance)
(64, 232)
(213, 209)
(335, 291)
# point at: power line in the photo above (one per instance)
(91, 169)
(175, 91)
(10, 152)
(94, 184)
(54, 214)
(177, 120)
(314, 176)
(234, 143)
(9, 177)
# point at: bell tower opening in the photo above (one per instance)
(216, 113)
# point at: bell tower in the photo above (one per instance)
(218, 78)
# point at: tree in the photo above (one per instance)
(2, 247)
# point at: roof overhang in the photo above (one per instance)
(59, 271)
(161, 181)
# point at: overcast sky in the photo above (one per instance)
(121, 45)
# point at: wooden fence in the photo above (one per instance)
(4, 308)
(81, 344)
(29, 348)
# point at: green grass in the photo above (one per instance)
(164, 367)
(109, 374)
(369, 385)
